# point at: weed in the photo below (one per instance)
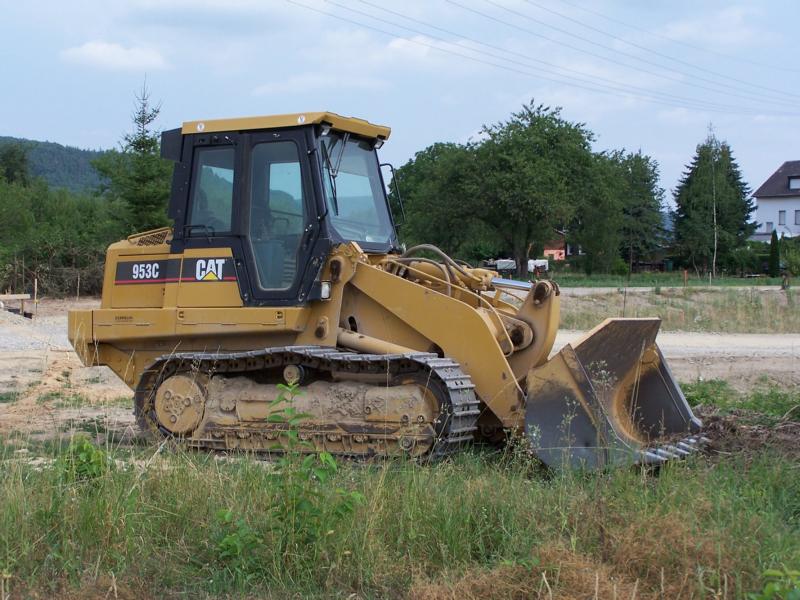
(63, 400)
(83, 461)
(767, 405)
(303, 508)
(780, 585)
(9, 397)
(306, 505)
(237, 545)
(710, 392)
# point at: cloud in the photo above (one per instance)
(309, 82)
(731, 26)
(114, 57)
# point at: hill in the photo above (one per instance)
(60, 166)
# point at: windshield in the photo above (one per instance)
(354, 191)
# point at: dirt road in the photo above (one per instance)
(45, 389)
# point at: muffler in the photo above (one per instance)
(609, 400)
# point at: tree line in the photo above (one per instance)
(59, 237)
(534, 180)
(526, 182)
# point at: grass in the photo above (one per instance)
(61, 399)
(673, 279)
(729, 311)
(768, 404)
(9, 397)
(483, 525)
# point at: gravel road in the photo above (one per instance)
(599, 291)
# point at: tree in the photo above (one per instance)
(774, 255)
(791, 257)
(713, 207)
(136, 175)
(434, 185)
(528, 177)
(642, 202)
(597, 228)
(14, 164)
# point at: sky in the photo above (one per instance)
(642, 75)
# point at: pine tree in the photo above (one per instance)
(713, 208)
(136, 175)
(642, 219)
(774, 255)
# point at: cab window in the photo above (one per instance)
(277, 213)
(212, 192)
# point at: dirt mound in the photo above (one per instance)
(738, 432)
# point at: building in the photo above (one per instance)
(555, 250)
(778, 203)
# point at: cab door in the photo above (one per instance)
(280, 220)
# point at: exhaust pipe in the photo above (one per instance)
(610, 400)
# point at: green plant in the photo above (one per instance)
(714, 392)
(774, 255)
(306, 505)
(791, 256)
(237, 545)
(9, 397)
(83, 461)
(780, 585)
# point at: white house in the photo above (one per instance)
(778, 203)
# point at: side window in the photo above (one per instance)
(212, 192)
(277, 213)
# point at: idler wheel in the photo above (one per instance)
(179, 404)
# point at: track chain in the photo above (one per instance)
(455, 425)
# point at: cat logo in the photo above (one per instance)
(209, 270)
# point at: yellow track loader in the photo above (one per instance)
(283, 265)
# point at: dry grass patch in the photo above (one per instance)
(721, 310)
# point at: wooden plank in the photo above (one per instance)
(15, 297)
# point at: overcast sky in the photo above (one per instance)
(640, 74)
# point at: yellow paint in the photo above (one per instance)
(337, 122)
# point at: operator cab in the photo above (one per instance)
(279, 192)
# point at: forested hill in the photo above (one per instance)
(60, 166)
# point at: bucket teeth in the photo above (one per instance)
(679, 449)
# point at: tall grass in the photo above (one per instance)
(482, 525)
(730, 311)
(672, 279)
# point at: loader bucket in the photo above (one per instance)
(609, 401)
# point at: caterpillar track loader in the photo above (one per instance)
(283, 265)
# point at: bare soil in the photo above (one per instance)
(736, 434)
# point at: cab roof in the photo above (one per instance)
(337, 122)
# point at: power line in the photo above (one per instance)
(676, 41)
(593, 88)
(656, 52)
(746, 95)
(604, 80)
